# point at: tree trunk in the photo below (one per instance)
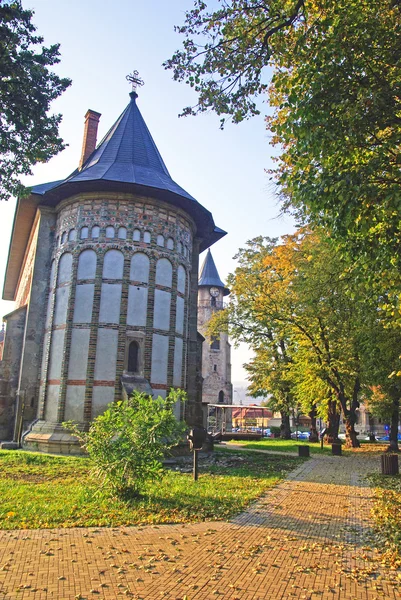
(333, 417)
(350, 433)
(313, 435)
(395, 417)
(285, 428)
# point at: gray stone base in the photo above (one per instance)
(9, 445)
(51, 438)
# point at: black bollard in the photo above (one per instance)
(336, 449)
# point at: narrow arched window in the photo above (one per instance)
(136, 236)
(160, 240)
(221, 397)
(72, 235)
(84, 233)
(146, 237)
(95, 232)
(122, 233)
(133, 357)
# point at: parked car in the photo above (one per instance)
(302, 435)
(386, 438)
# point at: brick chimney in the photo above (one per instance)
(90, 135)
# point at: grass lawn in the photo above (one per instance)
(387, 515)
(44, 491)
(279, 445)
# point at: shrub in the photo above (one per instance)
(129, 440)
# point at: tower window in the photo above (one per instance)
(133, 357)
(214, 367)
(215, 343)
(221, 397)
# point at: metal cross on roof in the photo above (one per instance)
(135, 80)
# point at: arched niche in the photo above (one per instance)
(164, 272)
(87, 265)
(181, 279)
(139, 270)
(110, 233)
(113, 264)
(64, 268)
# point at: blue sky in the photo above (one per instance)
(101, 42)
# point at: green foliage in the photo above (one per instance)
(27, 87)
(127, 443)
(332, 72)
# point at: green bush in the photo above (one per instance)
(127, 443)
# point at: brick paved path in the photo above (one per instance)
(309, 538)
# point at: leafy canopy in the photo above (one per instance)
(332, 72)
(28, 135)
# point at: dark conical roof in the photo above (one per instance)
(128, 158)
(209, 275)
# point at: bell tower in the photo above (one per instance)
(216, 350)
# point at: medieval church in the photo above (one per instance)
(103, 268)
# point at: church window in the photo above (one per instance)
(110, 231)
(179, 247)
(72, 234)
(215, 343)
(164, 272)
(113, 265)
(136, 236)
(133, 357)
(95, 232)
(185, 251)
(214, 367)
(146, 237)
(139, 267)
(160, 240)
(122, 233)
(63, 237)
(84, 233)
(170, 244)
(221, 397)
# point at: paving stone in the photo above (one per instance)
(309, 538)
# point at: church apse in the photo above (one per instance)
(118, 286)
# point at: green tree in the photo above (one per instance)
(298, 289)
(332, 72)
(28, 134)
(382, 376)
(129, 440)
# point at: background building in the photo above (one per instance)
(216, 351)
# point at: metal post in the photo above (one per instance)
(195, 471)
